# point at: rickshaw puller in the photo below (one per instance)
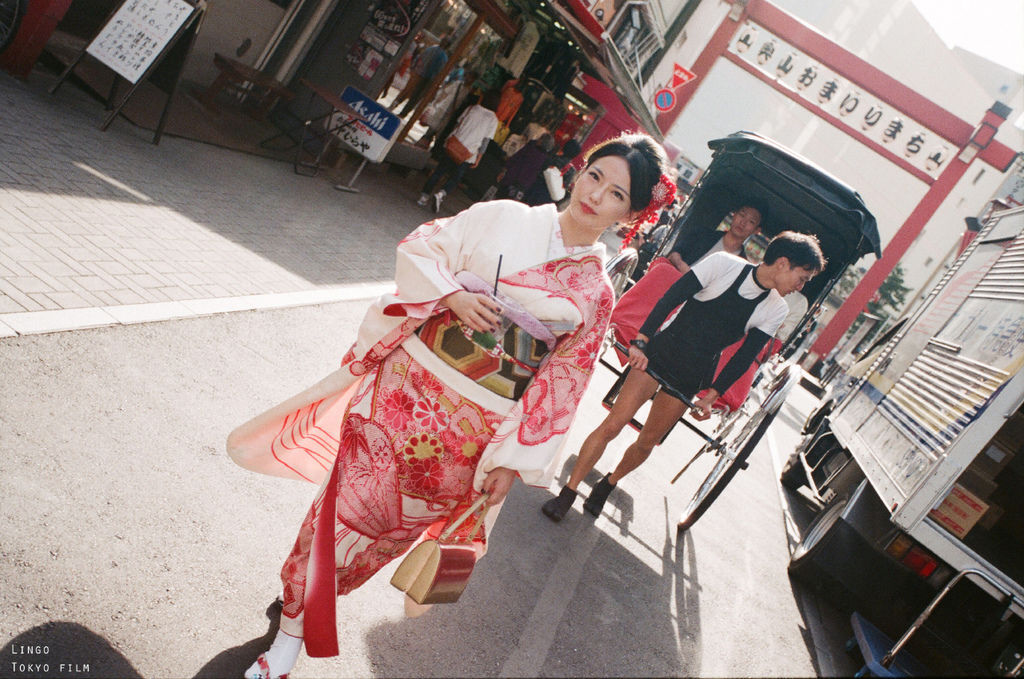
(723, 297)
(635, 304)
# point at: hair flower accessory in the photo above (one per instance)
(661, 195)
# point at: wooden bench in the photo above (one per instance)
(264, 91)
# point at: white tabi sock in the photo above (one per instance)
(280, 657)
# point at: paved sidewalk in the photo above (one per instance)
(104, 227)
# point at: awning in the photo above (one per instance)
(623, 82)
(585, 19)
(606, 60)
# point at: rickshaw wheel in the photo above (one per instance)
(725, 468)
(743, 443)
(620, 268)
(10, 16)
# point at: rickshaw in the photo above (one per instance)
(799, 196)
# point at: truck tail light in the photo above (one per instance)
(920, 562)
(903, 549)
(899, 546)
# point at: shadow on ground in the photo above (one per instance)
(562, 599)
(63, 649)
(233, 662)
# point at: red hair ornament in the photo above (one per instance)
(661, 195)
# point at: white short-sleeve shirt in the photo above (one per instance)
(717, 272)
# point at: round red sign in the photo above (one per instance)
(664, 99)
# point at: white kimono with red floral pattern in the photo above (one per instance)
(408, 437)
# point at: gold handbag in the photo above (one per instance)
(436, 571)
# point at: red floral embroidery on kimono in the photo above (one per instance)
(382, 467)
(410, 449)
(549, 403)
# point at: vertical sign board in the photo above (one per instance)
(137, 34)
(144, 40)
(373, 136)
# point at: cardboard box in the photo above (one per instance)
(959, 511)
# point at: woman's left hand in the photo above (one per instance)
(476, 310)
(498, 482)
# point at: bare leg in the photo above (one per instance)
(636, 390)
(665, 412)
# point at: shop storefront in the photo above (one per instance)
(553, 72)
(550, 73)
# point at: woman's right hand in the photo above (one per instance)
(476, 310)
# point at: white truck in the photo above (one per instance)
(918, 472)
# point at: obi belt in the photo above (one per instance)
(504, 365)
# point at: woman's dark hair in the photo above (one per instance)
(490, 100)
(646, 160)
(801, 249)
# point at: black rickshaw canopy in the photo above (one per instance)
(799, 196)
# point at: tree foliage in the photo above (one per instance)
(892, 295)
(888, 300)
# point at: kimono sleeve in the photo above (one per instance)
(531, 437)
(426, 262)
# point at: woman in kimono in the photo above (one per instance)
(424, 413)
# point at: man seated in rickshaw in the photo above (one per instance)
(636, 303)
(722, 298)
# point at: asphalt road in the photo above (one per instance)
(133, 547)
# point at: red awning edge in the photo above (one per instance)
(587, 19)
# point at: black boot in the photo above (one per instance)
(598, 496)
(556, 507)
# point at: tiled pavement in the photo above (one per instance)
(104, 227)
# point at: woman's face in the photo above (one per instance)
(600, 197)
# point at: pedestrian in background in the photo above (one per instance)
(523, 168)
(448, 99)
(538, 193)
(648, 243)
(463, 149)
(427, 64)
(405, 433)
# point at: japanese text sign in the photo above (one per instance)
(137, 33)
(843, 99)
(373, 136)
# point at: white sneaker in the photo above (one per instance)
(423, 200)
(438, 199)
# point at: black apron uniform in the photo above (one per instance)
(685, 354)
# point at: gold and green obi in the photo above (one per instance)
(504, 367)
